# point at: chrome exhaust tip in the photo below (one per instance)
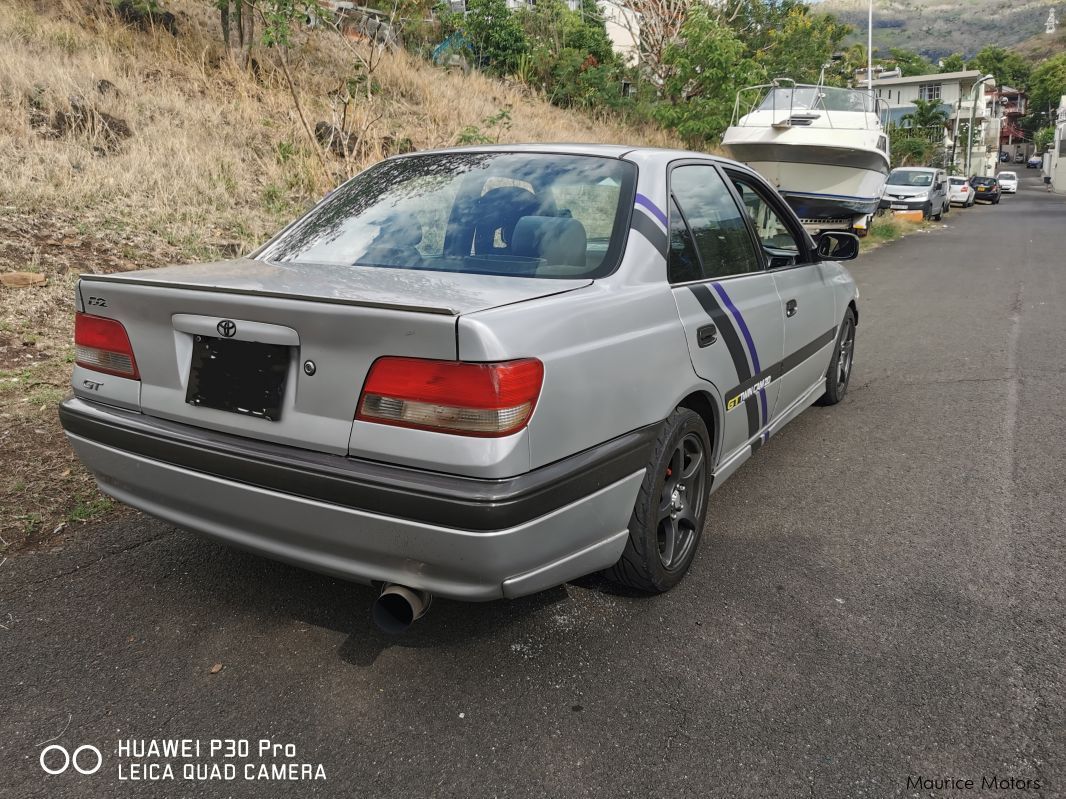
(398, 607)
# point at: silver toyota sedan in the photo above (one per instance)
(473, 373)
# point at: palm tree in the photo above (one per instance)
(928, 115)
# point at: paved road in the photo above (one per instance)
(880, 596)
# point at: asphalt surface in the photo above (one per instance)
(879, 596)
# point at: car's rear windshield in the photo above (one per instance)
(520, 214)
(957, 181)
(1007, 176)
(984, 181)
(910, 177)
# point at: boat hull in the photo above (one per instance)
(821, 181)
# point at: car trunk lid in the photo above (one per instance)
(280, 352)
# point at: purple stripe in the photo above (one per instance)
(755, 368)
(658, 214)
(743, 327)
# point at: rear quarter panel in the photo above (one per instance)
(615, 359)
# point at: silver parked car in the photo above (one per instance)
(917, 188)
(477, 373)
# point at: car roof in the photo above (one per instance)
(578, 148)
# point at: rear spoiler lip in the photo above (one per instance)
(169, 284)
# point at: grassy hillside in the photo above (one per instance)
(123, 148)
(1039, 47)
(936, 28)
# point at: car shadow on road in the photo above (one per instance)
(247, 583)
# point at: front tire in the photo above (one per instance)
(839, 372)
(667, 522)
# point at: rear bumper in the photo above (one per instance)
(459, 537)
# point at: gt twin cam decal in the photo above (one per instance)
(734, 401)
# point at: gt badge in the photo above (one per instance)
(733, 402)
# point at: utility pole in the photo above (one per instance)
(870, 48)
(973, 108)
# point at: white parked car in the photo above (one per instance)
(1008, 182)
(960, 192)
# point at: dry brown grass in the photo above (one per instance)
(217, 160)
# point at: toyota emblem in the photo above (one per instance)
(226, 328)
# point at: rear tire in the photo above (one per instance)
(671, 509)
(839, 373)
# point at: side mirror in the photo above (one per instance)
(836, 245)
(939, 186)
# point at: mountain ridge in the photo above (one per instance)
(938, 28)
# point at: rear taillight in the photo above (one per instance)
(102, 345)
(471, 399)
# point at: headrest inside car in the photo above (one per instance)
(399, 230)
(558, 240)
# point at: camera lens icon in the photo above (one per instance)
(81, 757)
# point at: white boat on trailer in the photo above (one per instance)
(825, 149)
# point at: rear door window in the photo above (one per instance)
(715, 222)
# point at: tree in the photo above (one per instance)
(1009, 68)
(1043, 138)
(656, 26)
(797, 43)
(910, 63)
(705, 66)
(495, 35)
(953, 63)
(927, 114)
(1047, 84)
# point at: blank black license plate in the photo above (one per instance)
(238, 376)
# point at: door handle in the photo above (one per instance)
(791, 308)
(707, 335)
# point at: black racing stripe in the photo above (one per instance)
(729, 334)
(725, 327)
(785, 365)
(649, 229)
(751, 406)
(807, 350)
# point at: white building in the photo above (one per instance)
(623, 29)
(953, 92)
(1055, 160)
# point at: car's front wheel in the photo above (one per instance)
(671, 508)
(839, 372)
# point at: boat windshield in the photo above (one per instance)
(817, 98)
(910, 177)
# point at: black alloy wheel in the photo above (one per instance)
(839, 372)
(671, 507)
(681, 501)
